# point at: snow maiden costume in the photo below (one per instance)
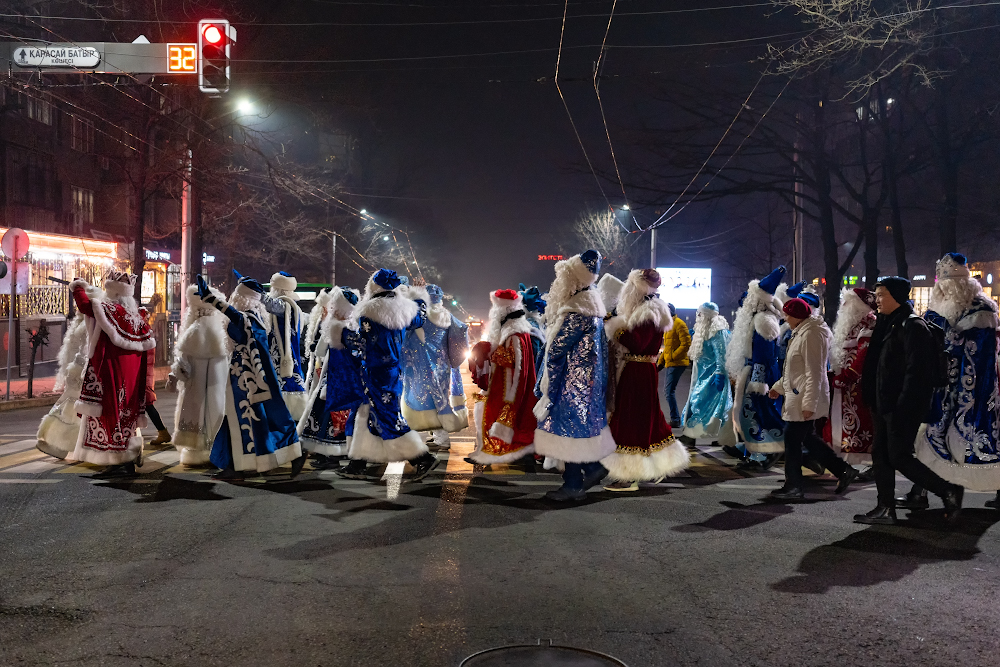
(959, 442)
(850, 429)
(752, 358)
(571, 412)
(710, 400)
(201, 366)
(336, 392)
(433, 395)
(60, 428)
(257, 432)
(508, 423)
(380, 432)
(118, 375)
(284, 341)
(646, 448)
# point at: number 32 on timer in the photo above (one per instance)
(182, 58)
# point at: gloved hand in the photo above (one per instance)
(203, 289)
(660, 365)
(718, 382)
(541, 408)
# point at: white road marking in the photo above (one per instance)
(18, 446)
(21, 480)
(41, 465)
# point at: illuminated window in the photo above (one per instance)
(83, 209)
(82, 134)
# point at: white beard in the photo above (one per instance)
(950, 297)
(253, 306)
(852, 311)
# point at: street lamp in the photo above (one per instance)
(245, 107)
(385, 238)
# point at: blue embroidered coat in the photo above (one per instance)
(431, 397)
(258, 433)
(573, 385)
(285, 349)
(381, 433)
(758, 417)
(960, 442)
(711, 398)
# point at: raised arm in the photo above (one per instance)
(236, 318)
(79, 289)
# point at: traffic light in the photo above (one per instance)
(215, 37)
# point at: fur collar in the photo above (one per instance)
(518, 325)
(655, 311)
(439, 315)
(951, 297)
(587, 302)
(204, 338)
(395, 313)
(766, 325)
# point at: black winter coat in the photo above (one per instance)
(897, 378)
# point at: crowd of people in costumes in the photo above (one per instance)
(571, 378)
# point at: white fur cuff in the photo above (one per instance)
(541, 408)
(502, 432)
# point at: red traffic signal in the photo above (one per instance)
(215, 39)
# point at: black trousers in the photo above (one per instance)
(892, 450)
(803, 434)
(154, 417)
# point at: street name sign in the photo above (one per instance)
(77, 57)
(99, 58)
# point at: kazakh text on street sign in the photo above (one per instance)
(24, 55)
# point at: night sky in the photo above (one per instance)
(493, 175)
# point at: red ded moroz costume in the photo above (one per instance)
(647, 449)
(118, 375)
(508, 421)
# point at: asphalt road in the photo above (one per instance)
(175, 569)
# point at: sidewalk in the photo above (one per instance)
(43, 390)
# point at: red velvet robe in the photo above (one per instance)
(638, 423)
(850, 430)
(115, 383)
(508, 423)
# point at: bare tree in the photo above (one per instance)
(604, 232)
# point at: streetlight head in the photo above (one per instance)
(625, 207)
(364, 211)
(385, 238)
(245, 107)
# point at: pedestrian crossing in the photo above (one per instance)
(21, 463)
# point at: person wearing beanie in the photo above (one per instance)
(257, 433)
(710, 400)
(117, 378)
(507, 423)
(752, 359)
(201, 367)
(433, 395)
(850, 429)
(572, 407)
(897, 387)
(378, 326)
(959, 443)
(673, 360)
(60, 428)
(336, 393)
(285, 344)
(783, 294)
(646, 448)
(805, 386)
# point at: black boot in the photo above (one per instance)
(846, 478)
(880, 516)
(356, 469)
(995, 503)
(422, 466)
(298, 464)
(916, 499)
(118, 471)
(953, 503)
(787, 492)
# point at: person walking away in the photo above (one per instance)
(896, 385)
(710, 400)
(674, 361)
(805, 386)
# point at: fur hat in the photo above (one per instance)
(582, 268)
(506, 300)
(867, 296)
(118, 284)
(810, 297)
(797, 308)
(708, 308)
(283, 281)
(248, 287)
(610, 288)
(953, 265)
(770, 282)
(647, 281)
(383, 280)
(435, 293)
(323, 297)
(532, 298)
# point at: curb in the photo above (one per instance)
(46, 401)
(25, 403)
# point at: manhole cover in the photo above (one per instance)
(540, 656)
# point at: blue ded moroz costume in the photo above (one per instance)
(257, 432)
(959, 442)
(710, 400)
(571, 411)
(534, 313)
(285, 341)
(380, 322)
(433, 395)
(752, 358)
(336, 392)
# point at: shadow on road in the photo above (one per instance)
(737, 517)
(889, 553)
(167, 488)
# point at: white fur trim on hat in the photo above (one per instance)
(246, 292)
(578, 270)
(287, 283)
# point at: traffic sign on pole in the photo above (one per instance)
(15, 245)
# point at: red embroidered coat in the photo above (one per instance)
(508, 421)
(850, 430)
(115, 383)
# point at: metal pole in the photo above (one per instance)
(333, 263)
(652, 248)
(186, 277)
(10, 315)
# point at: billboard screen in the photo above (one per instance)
(685, 288)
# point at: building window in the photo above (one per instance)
(83, 210)
(33, 180)
(82, 131)
(38, 108)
